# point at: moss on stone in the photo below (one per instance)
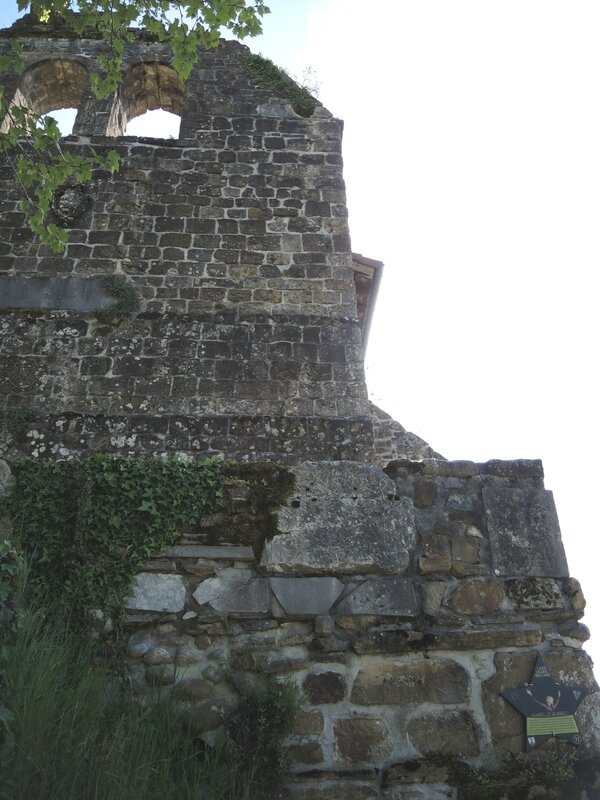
(268, 75)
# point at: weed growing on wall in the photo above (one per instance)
(262, 720)
(265, 73)
(87, 527)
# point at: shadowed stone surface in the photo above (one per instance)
(423, 681)
(155, 591)
(343, 517)
(306, 595)
(524, 532)
(393, 597)
(72, 293)
(360, 739)
(234, 591)
(444, 733)
(324, 687)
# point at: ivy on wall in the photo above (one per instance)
(88, 527)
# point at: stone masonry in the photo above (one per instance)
(206, 304)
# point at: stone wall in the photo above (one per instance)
(401, 603)
(233, 242)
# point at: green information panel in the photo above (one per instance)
(547, 706)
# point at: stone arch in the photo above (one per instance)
(49, 85)
(146, 86)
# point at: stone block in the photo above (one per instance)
(232, 553)
(476, 596)
(343, 517)
(411, 682)
(70, 293)
(156, 591)
(235, 592)
(392, 597)
(524, 532)
(359, 740)
(445, 733)
(324, 687)
(306, 596)
(308, 722)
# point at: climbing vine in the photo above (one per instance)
(88, 527)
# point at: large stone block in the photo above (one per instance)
(392, 597)
(420, 681)
(344, 517)
(450, 733)
(237, 592)
(524, 532)
(358, 740)
(306, 596)
(157, 591)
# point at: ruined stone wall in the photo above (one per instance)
(234, 239)
(401, 604)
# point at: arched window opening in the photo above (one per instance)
(147, 88)
(65, 119)
(50, 85)
(158, 124)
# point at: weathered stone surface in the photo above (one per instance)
(159, 655)
(234, 591)
(140, 643)
(419, 681)
(425, 494)
(6, 478)
(402, 640)
(393, 597)
(445, 733)
(324, 687)
(358, 739)
(306, 596)
(535, 593)
(72, 292)
(205, 716)
(524, 532)
(156, 591)
(477, 596)
(307, 723)
(344, 517)
(305, 753)
(195, 689)
(233, 553)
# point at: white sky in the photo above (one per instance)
(472, 163)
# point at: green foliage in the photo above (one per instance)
(32, 143)
(79, 733)
(557, 772)
(262, 720)
(265, 73)
(126, 296)
(11, 572)
(87, 527)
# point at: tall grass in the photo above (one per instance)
(78, 736)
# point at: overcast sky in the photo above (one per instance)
(472, 162)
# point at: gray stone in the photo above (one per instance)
(524, 532)
(71, 293)
(392, 597)
(234, 553)
(235, 591)
(156, 591)
(306, 596)
(6, 478)
(343, 517)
